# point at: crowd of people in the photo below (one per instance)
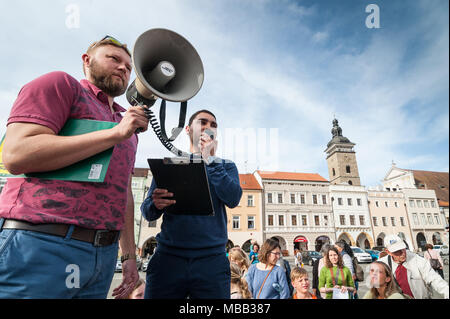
(335, 275)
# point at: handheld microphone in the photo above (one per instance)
(209, 132)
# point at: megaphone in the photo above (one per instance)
(167, 66)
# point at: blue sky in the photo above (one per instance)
(273, 69)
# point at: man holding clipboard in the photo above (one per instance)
(60, 238)
(190, 258)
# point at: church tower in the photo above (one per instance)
(341, 159)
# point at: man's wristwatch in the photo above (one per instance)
(126, 257)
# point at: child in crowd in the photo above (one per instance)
(238, 287)
(300, 281)
(240, 258)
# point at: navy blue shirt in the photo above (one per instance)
(194, 236)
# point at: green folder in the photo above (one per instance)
(92, 169)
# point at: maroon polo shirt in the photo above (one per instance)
(51, 100)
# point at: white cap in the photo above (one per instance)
(394, 243)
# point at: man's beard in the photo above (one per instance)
(106, 82)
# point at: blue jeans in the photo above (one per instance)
(37, 265)
(174, 277)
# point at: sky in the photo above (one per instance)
(277, 72)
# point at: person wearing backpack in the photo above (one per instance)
(435, 259)
(412, 272)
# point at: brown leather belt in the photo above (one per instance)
(96, 237)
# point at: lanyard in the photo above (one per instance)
(337, 275)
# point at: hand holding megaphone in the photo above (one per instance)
(134, 118)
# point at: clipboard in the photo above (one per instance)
(188, 181)
(92, 169)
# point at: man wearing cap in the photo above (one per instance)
(60, 239)
(412, 272)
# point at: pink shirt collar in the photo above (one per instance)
(101, 96)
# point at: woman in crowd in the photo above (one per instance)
(265, 279)
(381, 283)
(240, 258)
(239, 286)
(254, 254)
(334, 275)
(433, 256)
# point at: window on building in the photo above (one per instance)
(280, 220)
(416, 219)
(361, 220)
(352, 220)
(302, 199)
(436, 218)
(316, 220)
(359, 202)
(340, 201)
(386, 204)
(433, 204)
(325, 220)
(334, 172)
(314, 199)
(384, 221)
(393, 221)
(152, 224)
(304, 220)
(236, 222)
(251, 222)
(280, 198)
(292, 198)
(430, 219)
(426, 204)
(269, 198)
(324, 199)
(377, 204)
(422, 216)
(349, 201)
(294, 220)
(411, 203)
(396, 204)
(375, 221)
(250, 201)
(419, 203)
(402, 221)
(270, 220)
(347, 169)
(342, 219)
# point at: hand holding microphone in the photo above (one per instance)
(207, 143)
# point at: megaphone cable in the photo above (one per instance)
(157, 129)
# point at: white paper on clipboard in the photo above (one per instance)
(338, 294)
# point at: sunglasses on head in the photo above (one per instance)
(115, 41)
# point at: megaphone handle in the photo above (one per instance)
(181, 120)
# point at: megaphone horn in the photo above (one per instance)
(168, 67)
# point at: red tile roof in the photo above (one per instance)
(433, 180)
(249, 182)
(289, 176)
(140, 172)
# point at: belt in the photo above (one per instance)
(96, 237)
